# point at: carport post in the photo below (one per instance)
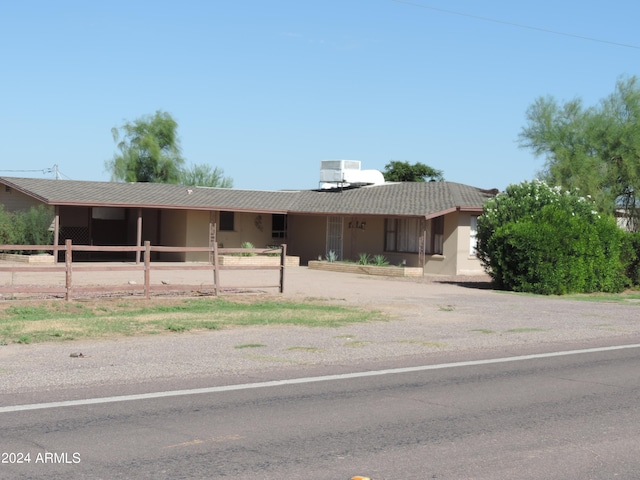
(216, 273)
(283, 262)
(68, 258)
(147, 268)
(138, 235)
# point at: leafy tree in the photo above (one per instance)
(149, 150)
(595, 149)
(541, 239)
(205, 176)
(396, 171)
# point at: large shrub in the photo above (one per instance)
(27, 227)
(541, 239)
(632, 252)
(6, 227)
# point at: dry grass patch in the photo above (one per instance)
(42, 321)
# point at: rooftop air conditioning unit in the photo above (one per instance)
(336, 170)
(347, 173)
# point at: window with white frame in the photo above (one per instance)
(402, 235)
(473, 234)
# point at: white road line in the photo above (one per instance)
(295, 381)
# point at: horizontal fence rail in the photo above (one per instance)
(69, 268)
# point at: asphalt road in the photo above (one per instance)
(562, 417)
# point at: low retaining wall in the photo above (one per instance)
(388, 271)
(258, 260)
(12, 257)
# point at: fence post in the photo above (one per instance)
(68, 259)
(283, 262)
(147, 268)
(216, 270)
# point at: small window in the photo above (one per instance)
(278, 225)
(473, 234)
(227, 221)
(437, 239)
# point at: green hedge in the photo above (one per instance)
(540, 239)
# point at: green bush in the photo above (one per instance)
(27, 227)
(6, 227)
(540, 239)
(632, 255)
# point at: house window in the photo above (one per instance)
(227, 221)
(402, 235)
(437, 235)
(473, 234)
(278, 225)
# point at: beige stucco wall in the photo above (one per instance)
(248, 227)
(307, 239)
(468, 264)
(307, 236)
(456, 258)
(356, 240)
(173, 233)
(197, 234)
(14, 201)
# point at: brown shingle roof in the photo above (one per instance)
(403, 199)
(149, 195)
(410, 198)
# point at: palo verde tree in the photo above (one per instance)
(397, 171)
(149, 151)
(595, 149)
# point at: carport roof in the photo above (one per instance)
(402, 199)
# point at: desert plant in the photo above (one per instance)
(276, 250)
(380, 261)
(331, 256)
(247, 245)
(364, 259)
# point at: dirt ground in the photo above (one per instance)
(431, 319)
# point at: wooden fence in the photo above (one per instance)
(147, 267)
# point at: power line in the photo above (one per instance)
(55, 170)
(518, 25)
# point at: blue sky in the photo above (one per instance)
(265, 90)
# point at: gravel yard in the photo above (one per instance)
(431, 319)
